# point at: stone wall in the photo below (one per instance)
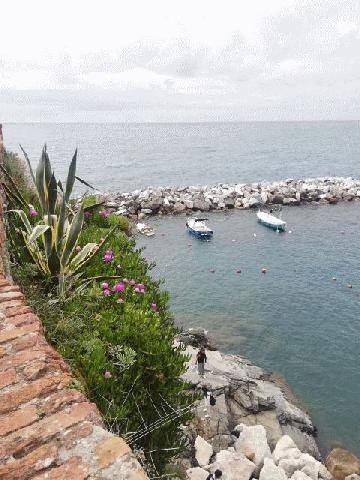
(48, 429)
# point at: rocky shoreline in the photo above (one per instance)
(255, 429)
(176, 200)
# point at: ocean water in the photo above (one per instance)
(125, 157)
(294, 319)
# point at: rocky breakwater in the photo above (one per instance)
(254, 429)
(164, 200)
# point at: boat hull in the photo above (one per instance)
(271, 225)
(198, 234)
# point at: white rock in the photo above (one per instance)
(234, 465)
(196, 473)
(271, 472)
(285, 448)
(298, 475)
(203, 451)
(253, 439)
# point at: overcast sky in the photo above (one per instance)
(167, 60)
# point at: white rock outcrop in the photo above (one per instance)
(253, 439)
(270, 471)
(203, 451)
(234, 465)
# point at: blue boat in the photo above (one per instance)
(198, 228)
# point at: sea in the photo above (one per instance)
(300, 319)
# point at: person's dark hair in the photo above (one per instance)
(218, 473)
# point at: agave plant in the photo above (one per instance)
(52, 241)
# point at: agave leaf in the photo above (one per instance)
(29, 165)
(35, 234)
(53, 261)
(47, 172)
(60, 186)
(53, 194)
(76, 263)
(84, 182)
(61, 224)
(72, 237)
(70, 178)
(39, 180)
(24, 220)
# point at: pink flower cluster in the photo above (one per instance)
(140, 288)
(118, 287)
(107, 374)
(33, 212)
(108, 256)
(104, 213)
(78, 248)
(87, 214)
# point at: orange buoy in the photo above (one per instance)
(263, 270)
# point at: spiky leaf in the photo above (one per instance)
(73, 236)
(38, 230)
(70, 178)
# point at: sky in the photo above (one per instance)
(179, 61)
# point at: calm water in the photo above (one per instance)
(294, 319)
(129, 156)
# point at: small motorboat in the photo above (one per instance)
(198, 227)
(271, 221)
(145, 229)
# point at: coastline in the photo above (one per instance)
(220, 197)
(257, 424)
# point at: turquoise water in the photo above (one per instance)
(295, 319)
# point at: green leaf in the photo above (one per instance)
(73, 236)
(85, 183)
(53, 194)
(88, 250)
(24, 220)
(29, 165)
(37, 231)
(70, 178)
(39, 180)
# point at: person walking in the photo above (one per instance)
(201, 359)
(215, 475)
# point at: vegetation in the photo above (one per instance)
(113, 327)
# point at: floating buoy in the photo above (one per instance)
(334, 279)
(342, 232)
(349, 285)
(189, 244)
(254, 234)
(212, 270)
(238, 270)
(290, 231)
(263, 270)
(233, 240)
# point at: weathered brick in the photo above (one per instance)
(110, 450)
(9, 288)
(24, 393)
(44, 430)
(25, 467)
(7, 378)
(18, 419)
(27, 342)
(21, 358)
(22, 319)
(11, 312)
(73, 469)
(61, 399)
(6, 336)
(4, 282)
(76, 433)
(11, 304)
(2, 351)
(12, 295)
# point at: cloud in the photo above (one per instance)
(298, 60)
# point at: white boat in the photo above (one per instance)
(271, 221)
(145, 229)
(198, 227)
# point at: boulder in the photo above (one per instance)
(234, 465)
(285, 448)
(146, 211)
(353, 476)
(270, 471)
(203, 451)
(196, 473)
(298, 475)
(254, 202)
(341, 463)
(253, 439)
(179, 207)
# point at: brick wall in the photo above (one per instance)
(48, 431)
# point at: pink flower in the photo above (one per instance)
(108, 256)
(104, 213)
(141, 287)
(132, 282)
(87, 214)
(136, 290)
(104, 285)
(106, 293)
(119, 300)
(118, 287)
(153, 306)
(107, 374)
(78, 248)
(33, 212)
